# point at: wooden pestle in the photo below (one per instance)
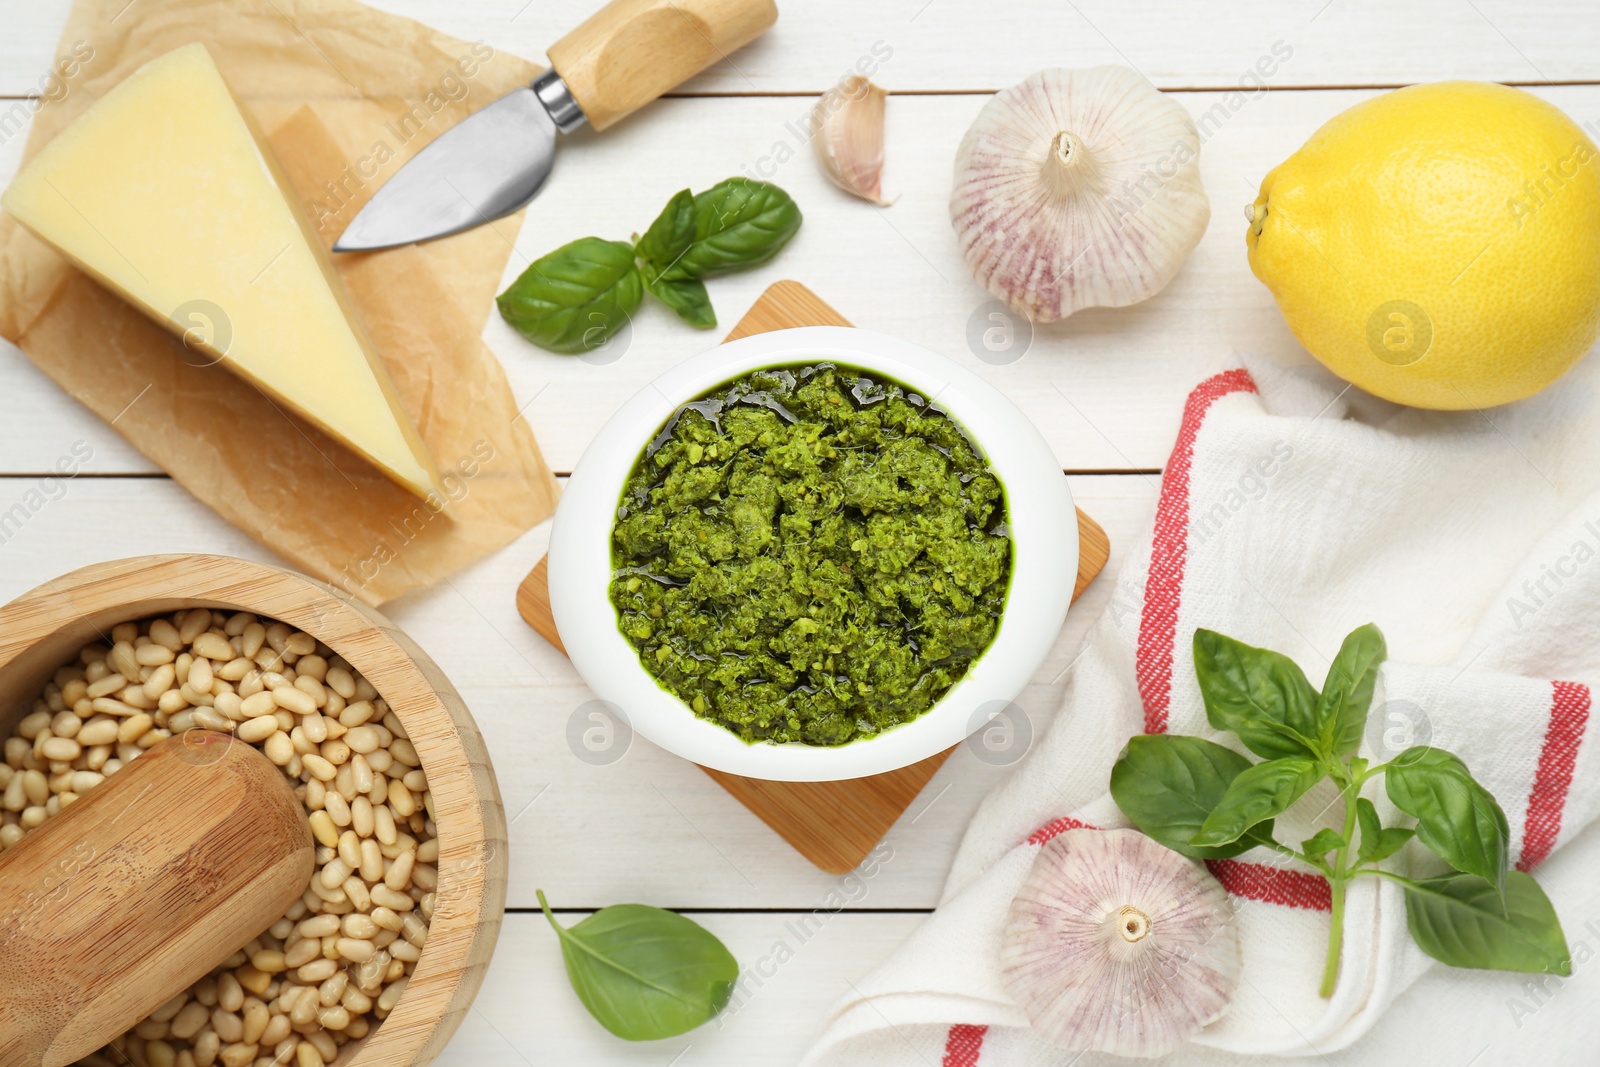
(136, 891)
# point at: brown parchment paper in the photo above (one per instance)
(345, 95)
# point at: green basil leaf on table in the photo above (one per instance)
(1168, 783)
(1456, 817)
(738, 223)
(687, 297)
(645, 973)
(1258, 694)
(1255, 795)
(669, 237)
(574, 299)
(1347, 693)
(1322, 842)
(1461, 920)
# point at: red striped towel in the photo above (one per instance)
(1473, 540)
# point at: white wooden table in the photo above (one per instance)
(1106, 389)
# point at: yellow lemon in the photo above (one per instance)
(1439, 245)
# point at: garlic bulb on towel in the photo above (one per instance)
(848, 120)
(1117, 944)
(1076, 189)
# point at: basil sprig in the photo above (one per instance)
(576, 298)
(645, 973)
(1205, 800)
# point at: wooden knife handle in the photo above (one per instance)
(631, 51)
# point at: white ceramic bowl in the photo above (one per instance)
(1043, 526)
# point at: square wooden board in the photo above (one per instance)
(832, 824)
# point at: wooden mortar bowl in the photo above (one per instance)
(45, 628)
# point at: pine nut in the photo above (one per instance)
(357, 714)
(338, 679)
(206, 1047)
(62, 749)
(362, 739)
(257, 729)
(277, 1030)
(338, 810)
(253, 979)
(391, 996)
(302, 952)
(189, 1020)
(236, 1055)
(355, 950)
(350, 849)
(357, 893)
(98, 732)
(228, 1026)
(230, 995)
(400, 799)
(291, 699)
(200, 677)
(399, 876)
(256, 1017)
(382, 894)
(316, 972)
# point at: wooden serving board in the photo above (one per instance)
(832, 824)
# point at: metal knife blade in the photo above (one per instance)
(487, 165)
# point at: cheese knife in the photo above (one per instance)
(495, 160)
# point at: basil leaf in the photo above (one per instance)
(1377, 842)
(645, 973)
(669, 237)
(1461, 920)
(1168, 783)
(572, 300)
(1347, 694)
(1255, 795)
(1456, 817)
(1322, 842)
(1389, 841)
(738, 223)
(1260, 695)
(1367, 816)
(686, 296)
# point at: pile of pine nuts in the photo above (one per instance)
(339, 959)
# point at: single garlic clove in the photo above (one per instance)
(1116, 944)
(848, 138)
(1076, 189)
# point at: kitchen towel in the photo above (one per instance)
(1473, 540)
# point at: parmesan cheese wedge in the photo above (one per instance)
(164, 193)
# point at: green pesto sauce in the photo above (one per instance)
(810, 553)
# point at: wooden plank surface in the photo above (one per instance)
(974, 45)
(1106, 388)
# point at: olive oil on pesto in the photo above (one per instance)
(810, 553)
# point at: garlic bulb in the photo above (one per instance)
(848, 139)
(1116, 944)
(1076, 189)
